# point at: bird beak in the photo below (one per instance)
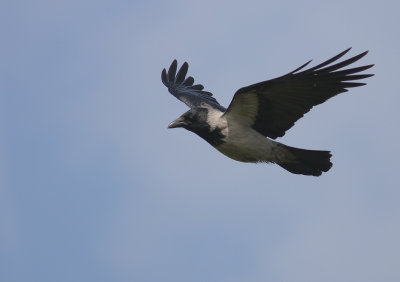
(179, 122)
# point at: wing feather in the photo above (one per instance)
(272, 107)
(180, 77)
(183, 88)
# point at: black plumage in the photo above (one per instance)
(286, 99)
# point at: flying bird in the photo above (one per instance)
(262, 112)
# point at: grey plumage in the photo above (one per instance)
(265, 109)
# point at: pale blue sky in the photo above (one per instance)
(93, 187)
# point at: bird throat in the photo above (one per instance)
(213, 136)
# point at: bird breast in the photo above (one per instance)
(243, 143)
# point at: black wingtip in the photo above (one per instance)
(299, 68)
(180, 77)
(343, 63)
(172, 70)
(164, 78)
(347, 50)
(182, 87)
(344, 52)
(331, 60)
(338, 56)
(368, 66)
(188, 81)
(362, 54)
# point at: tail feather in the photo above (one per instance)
(307, 162)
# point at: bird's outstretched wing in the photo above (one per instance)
(273, 106)
(183, 88)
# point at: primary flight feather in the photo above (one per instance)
(264, 111)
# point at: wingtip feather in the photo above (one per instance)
(299, 68)
(172, 70)
(164, 78)
(188, 81)
(180, 77)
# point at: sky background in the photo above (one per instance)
(93, 187)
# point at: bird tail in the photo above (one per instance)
(307, 162)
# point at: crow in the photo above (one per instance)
(264, 111)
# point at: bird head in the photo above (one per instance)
(192, 119)
(197, 120)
